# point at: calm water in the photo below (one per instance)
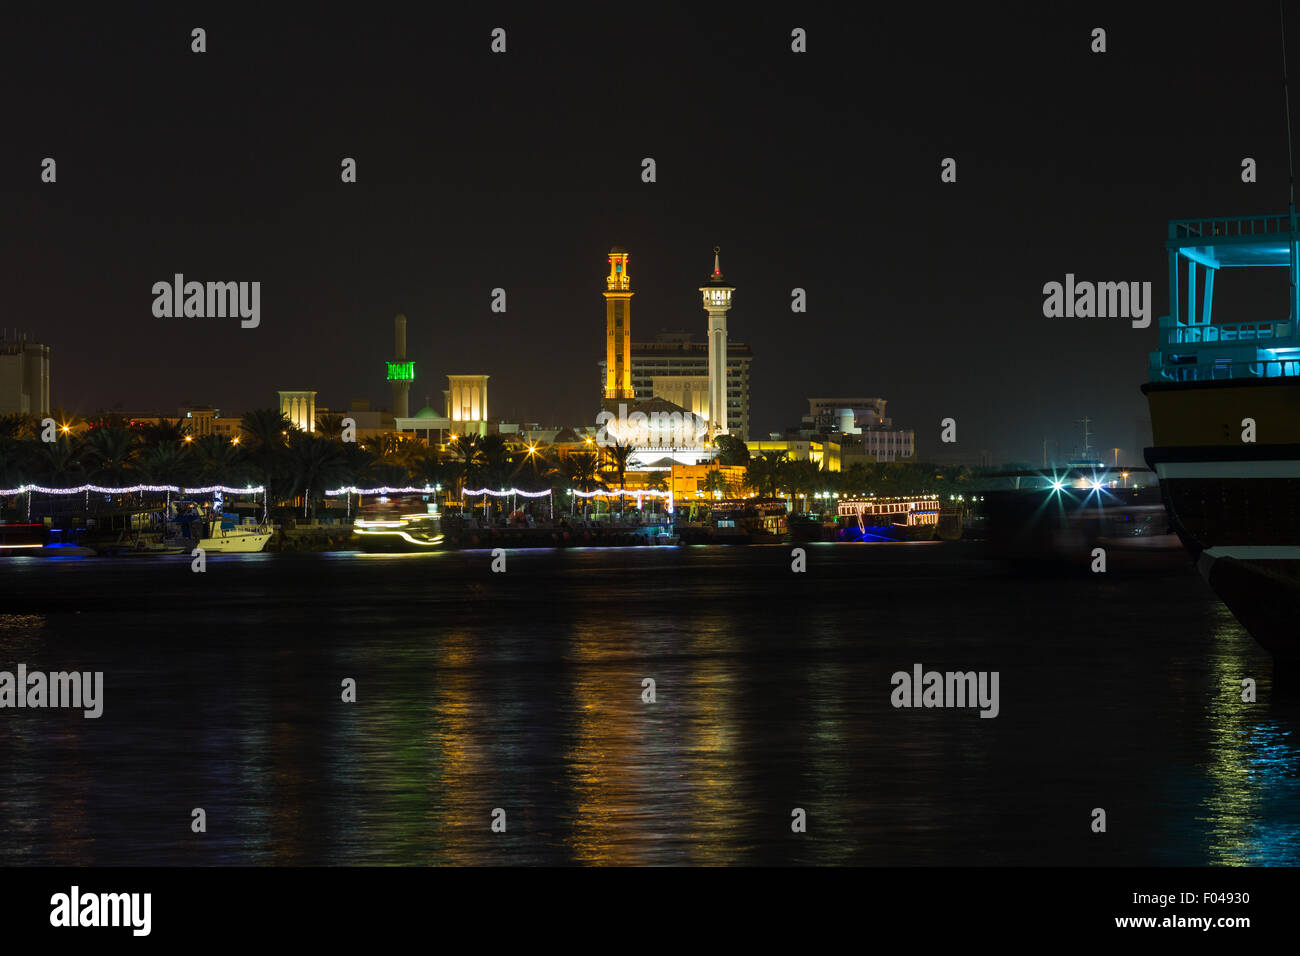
(523, 691)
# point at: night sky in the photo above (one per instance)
(521, 170)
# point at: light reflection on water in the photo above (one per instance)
(523, 692)
(1252, 809)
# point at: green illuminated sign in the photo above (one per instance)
(401, 371)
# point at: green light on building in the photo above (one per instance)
(401, 371)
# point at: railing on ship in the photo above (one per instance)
(1265, 368)
(1231, 332)
(1232, 226)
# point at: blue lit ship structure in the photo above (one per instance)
(888, 519)
(1056, 521)
(1225, 420)
(399, 525)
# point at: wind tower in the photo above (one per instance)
(401, 372)
(717, 302)
(618, 328)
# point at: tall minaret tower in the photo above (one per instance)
(400, 371)
(618, 327)
(717, 302)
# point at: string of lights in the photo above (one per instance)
(385, 490)
(131, 489)
(507, 492)
(621, 491)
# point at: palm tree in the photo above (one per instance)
(266, 431)
(19, 425)
(14, 467)
(360, 463)
(534, 470)
(218, 461)
(317, 463)
(496, 458)
(167, 463)
(469, 456)
(383, 445)
(714, 483)
(162, 431)
(329, 426)
(582, 473)
(110, 451)
(428, 470)
(618, 454)
(58, 463)
(803, 477)
(763, 473)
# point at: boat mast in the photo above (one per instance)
(1286, 100)
(1290, 163)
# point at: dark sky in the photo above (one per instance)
(520, 170)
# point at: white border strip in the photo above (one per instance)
(1229, 469)
(1255, 552)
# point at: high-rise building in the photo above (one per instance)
(618, 328)
(675, 367)
(860, 427)
(24, 375)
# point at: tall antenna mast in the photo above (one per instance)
(1087, 434)
(1286, 98)
(1290, 163)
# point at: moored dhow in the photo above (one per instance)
(1225, 420)
(888, 519)
(735, 521)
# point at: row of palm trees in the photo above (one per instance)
(774, 474)
(296, 465)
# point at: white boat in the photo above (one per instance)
(247, 539)
(219, 534)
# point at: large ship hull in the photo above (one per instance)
(1235, 504)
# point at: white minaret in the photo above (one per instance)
(717, 301)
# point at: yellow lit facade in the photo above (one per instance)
(618, 327)
(815, 451)
(688, 481)
(467, 402)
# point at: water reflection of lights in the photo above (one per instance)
(1253, 806)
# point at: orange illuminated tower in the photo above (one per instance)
(618, 327)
